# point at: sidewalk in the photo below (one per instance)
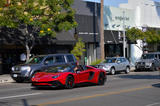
(6, 78)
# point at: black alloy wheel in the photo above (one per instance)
(69, 82)
(153, 68)
(101, 79)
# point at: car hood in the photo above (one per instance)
(44, 76)
(146, 60)
(20, 65)
(106, 64)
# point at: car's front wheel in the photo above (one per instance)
(113, 71)
(69, 82)
(127, 70)
(153, 67)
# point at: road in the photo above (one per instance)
(134, 89)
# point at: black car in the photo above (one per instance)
(24, 72)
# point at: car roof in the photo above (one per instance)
(113, 57)
(153, 53)
(55, 54)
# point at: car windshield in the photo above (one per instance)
(111, 60)
(36, 60)
(148, 56)
(61, 68)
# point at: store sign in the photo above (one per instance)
(87, 33)
(118, 18)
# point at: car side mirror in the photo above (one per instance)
(46, 62)
(118, 61)
(78, 71)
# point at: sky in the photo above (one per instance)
(114, 3)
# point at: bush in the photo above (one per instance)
(96, 62)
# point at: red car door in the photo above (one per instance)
(83, 76)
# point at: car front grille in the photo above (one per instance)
(17, 68)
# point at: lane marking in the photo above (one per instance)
(2, 90)
(153, 104)
(16, 96)
(93, 96)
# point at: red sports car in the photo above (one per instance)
(65, 75)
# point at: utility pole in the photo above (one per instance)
(102, 32)
(124, 36)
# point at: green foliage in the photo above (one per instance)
(55, 15)
(150, 35)
(96, 62)
(78, 49)
(134, 34)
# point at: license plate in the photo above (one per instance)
(14, 75)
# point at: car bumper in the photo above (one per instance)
(18, 76)
(143, 67)
(47, 84)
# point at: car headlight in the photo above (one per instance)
(148, 64)
(56, 76)
(25, 68)
(106, 67)
(13, 68)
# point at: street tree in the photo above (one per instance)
(78, 49)
(134, 34)
(36, 18)
(150, 35)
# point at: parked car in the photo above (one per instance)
(66, 76)
(24, 72)
(115, 64)
(149, 61)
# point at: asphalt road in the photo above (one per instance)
(134, 89)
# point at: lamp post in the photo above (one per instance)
(124, 36)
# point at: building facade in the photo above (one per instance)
(116, 20)
(147, 15)
(87, 17)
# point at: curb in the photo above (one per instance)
(6, 79)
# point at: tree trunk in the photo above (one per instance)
(28, 53)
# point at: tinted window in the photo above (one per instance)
(70, 58)
(119, 60)
(49, 60)
(112, 60)
(36, 59)
(61, 68)
(123, 59)
(59, 59)
(148, 56)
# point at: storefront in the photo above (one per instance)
(10, 51)
(116, 20)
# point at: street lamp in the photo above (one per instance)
(124, 36)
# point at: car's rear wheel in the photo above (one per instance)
(153, 67)
(69, 82)
(113, 71)
(101, 78)
(127, 70)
